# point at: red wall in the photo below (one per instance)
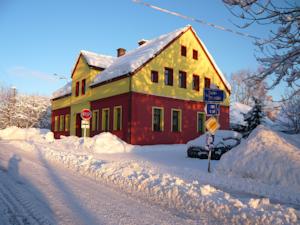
(58, 112)
(110, 102)
(142, 120)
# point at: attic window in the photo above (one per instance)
(183, 50)
(169, 76)
(154, 76)
(195, 54)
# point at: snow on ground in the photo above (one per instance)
(265, 156)
(163, 175)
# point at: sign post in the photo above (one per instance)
(213, 98)
(209, 145)
(86, 115)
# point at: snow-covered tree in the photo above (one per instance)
(7, 106)
(244, 88)
(280, 51)
(254, 117)
(289, 116)
(23, 110)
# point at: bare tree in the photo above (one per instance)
(280, 52)
(244, 88)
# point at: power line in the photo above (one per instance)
(194, 19)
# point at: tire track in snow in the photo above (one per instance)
(17, 204)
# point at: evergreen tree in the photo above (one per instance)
(254, 117)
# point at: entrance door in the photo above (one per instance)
(78, 125)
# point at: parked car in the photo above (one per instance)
(201, 152)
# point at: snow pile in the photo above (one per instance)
(190, 199)
(220, 136)
(101, 143)
(237, 111)
(94, 59)
(26, 134)
(265, 156)
(65, 90)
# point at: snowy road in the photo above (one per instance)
(34, 191)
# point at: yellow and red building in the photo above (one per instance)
(150, 95)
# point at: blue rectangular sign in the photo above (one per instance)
(212, 109)
(213, 95)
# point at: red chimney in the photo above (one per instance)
(121, 51)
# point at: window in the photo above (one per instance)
(56, 123)
(105, 119)
(95, 120)
(61, 123)
(183, 50)
(200, 122)
(182, 79)
(176, 120)
(195, 54)
(196, 82)
(207, 82)
(77, 88)
(83, 87)
(118, 118)
(154, 76)
(67, 122)
(168, 76)
(157, 119)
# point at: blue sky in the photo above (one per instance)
(40, 38)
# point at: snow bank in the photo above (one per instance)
(101, 143)
(265, 156)
(237, 110)
(220, 136)
(191, 199)
(26, 134)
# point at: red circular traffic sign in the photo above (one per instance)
(86, 114)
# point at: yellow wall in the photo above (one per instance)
(77, 103)
(61, 103)
(171, 57)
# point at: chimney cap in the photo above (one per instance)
(142, 41)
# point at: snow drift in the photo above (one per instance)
(26, 134)
(265, 156)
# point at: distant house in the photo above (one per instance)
(150, 95)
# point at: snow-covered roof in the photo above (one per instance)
(65, 90)
(97, 60)
(137, 57)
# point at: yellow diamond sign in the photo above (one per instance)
(212, 125)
